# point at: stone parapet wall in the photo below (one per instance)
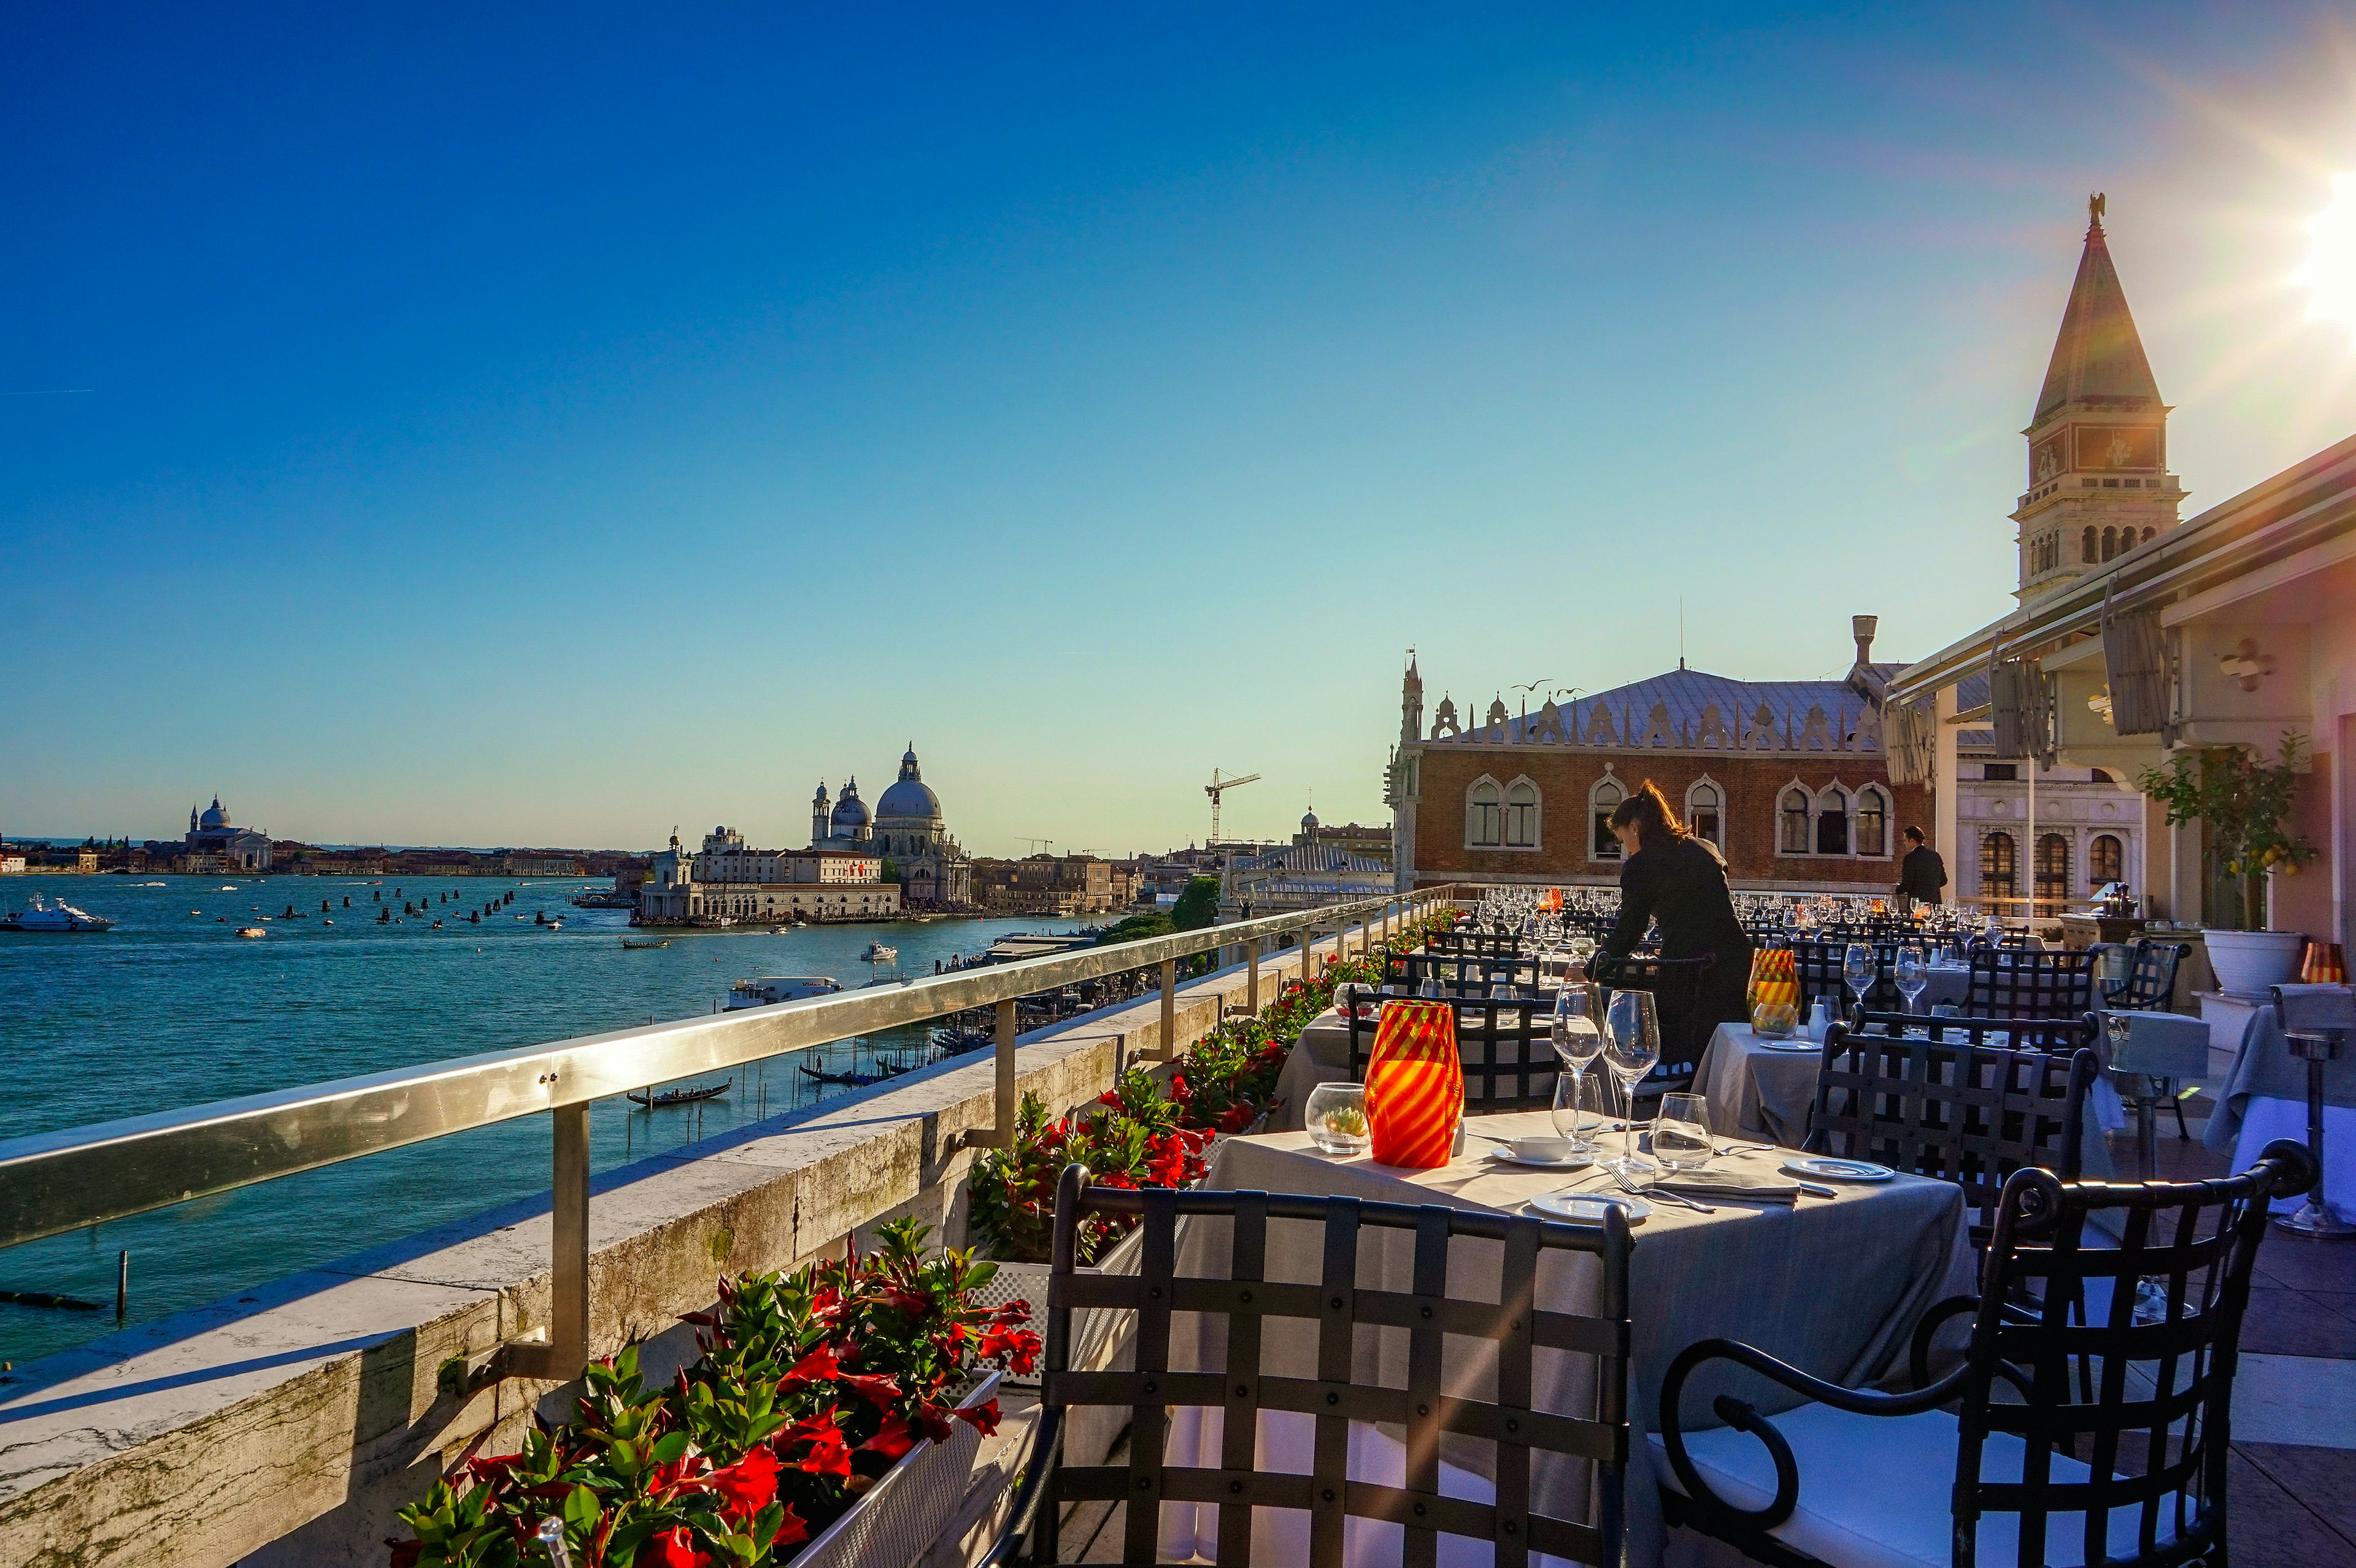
(287, 1426)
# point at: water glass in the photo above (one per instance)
(1631, 1044)
(1681, 1132)
(1859, 970)
(1578, 1039)
(1578, 1109)
(1336, 1119)
(1914, 975)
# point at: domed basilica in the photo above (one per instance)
(905, 828)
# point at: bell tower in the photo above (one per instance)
(2098, 478)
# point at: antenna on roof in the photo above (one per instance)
(1681, 631)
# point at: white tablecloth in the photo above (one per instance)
(1832, 1285)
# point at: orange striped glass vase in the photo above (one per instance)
(1414, 1085)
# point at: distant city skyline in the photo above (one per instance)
(489, 429)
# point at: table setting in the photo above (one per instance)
(1826, 1264)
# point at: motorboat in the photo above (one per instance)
(643, 947)
(42, 916)
(879, 953)
(252, 931)
(771, 989)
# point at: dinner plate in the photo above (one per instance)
(1588, 1207)
(1824, 1169)
(1572, 1162)
(1792, 1046)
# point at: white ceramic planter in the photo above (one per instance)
(904, 1513)
(2251, 963)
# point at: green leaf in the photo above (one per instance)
(581, 1509)
(669, 1449)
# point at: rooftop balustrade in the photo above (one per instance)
(86, 1489)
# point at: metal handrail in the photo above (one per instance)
(64, 1181)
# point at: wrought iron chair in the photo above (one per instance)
(1463, 976)
(1676, 987)
(2016, 983)
(2151, 978)
(1955, 1106)
(2054, 1470)
(1334, 1419)
(1524, 1083)
(1476, 943)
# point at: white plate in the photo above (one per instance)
(1507, 1157)
(1588, 1207)
(1824, 1169)
(1793, 1047)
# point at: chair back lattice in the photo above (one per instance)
(2161, 1309)
(2150, 984)
(1476, 943)
(1589, 922)
(1493, 1406)
(1676, 987)
(1460, 974)
(2059, 1036)
(1820, 966)
(1487, 1034)
(1952, 1109)
(2016, 982)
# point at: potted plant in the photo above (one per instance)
(2243, 801)
(833, 1418)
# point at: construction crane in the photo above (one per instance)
(1215, 789)
(1044, 844)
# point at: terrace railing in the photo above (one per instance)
(65, 1181)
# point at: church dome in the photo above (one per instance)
(849, 812)
(216, 818)
(909, 798)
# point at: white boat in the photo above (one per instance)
(252, 931)
(41, 915)
(771, 989)
(879, 953)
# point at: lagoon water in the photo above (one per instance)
(172, 1008)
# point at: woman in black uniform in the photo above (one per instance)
(1674, 878)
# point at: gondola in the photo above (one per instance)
(852, 1080)
(642, 946)
(677, 1096)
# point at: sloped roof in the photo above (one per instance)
(2098, 357)
(1687, 694)
(1310, 860)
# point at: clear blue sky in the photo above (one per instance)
(547, 428)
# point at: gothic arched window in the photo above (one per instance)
(1484, 814)
(1832, 821)
(1792, 813)
(1602, 801)
(1522, 815)
(1872, 821)
(1705, 811)
(2053, 871)
(2147, 533)
(2089, 544)
(1996, 866)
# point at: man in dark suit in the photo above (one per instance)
(1922, 874)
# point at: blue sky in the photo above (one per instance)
(550, 426)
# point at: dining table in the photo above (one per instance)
(1833, 1283)
(1321, 1054)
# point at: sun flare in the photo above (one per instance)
(2329, 272)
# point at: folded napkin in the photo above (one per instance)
(1708, 1184)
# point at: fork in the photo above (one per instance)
(1657, 1190)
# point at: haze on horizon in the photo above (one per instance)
(549, 428)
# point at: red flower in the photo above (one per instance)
(793, 1530)
(934, 1420)
(982, 1418)
(679, 1550)
(821, 1365)
(877, 1388)
(1110, 1097)
(1235, 1118)
(892, 1439)
(749, 1483)
(1019, 1349)
(829, 1453)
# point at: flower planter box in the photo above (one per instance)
(2251, 963)
(902, 1514)
(1098, 1336)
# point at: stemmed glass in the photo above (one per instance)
(1577, 1042)
(1631, 1044)
(1914, 974)
(1857, 970)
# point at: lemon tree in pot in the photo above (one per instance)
(2242, 800)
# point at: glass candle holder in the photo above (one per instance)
(1337, 1117)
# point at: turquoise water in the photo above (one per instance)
(172, 1008)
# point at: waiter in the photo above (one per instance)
(1678, 879)
(1922, 874)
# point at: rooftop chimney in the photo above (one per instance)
(1861, 628)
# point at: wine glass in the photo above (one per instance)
(1577, 1042)
(1914, 974)
(1631, 1044)
(1857, 970)
(1681, 1132)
